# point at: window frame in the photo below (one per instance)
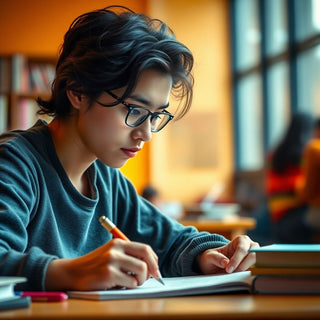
(290, 55)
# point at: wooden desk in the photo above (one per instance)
(220, 307)
(230, 227)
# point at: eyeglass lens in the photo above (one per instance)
(137, 115)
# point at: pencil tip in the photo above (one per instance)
(159, 277)
(160, 280)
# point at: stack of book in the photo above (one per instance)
(8, 298)
(287, 269)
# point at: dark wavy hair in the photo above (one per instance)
(108, 49)
(290, 150)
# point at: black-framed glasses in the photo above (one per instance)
(137, 115)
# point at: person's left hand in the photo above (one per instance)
(231, 257)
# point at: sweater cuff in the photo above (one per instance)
(190, 265)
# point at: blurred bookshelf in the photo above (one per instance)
(22, 79)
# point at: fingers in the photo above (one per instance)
(145, 254)
(234, 256)
(116, 278)
(136, 261)
(241, 259)
(212, 261)
(118, 263)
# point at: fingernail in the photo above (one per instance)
(225, 263)
(230, 269)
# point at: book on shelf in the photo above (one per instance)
(41, 77)
(4, 75)
(26, 114)
(288, 255)
(3, 113)
(175, 286)
(18, 73)
(31, 76)
(8, 298)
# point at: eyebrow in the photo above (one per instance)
(145, 101)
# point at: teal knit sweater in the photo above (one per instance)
(43, 217)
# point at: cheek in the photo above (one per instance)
(98, 127)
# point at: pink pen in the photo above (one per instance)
(44, 296)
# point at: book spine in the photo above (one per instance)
(3, 113)
(15, 303)
(4, 75)
(28, 113)
(18, 67)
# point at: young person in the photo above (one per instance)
(114, 76)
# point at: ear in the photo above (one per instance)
(75, 98)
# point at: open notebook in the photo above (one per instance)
(178, 286)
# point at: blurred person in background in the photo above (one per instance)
(309, 184)
(283, 176)
(172, 209)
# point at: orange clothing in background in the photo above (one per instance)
(281, 189)
(309, 185)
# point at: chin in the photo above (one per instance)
(114, 165)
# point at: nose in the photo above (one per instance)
(143, 131)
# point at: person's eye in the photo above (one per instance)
(136, 111)
(157, 116)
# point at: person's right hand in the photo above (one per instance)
(118, 263)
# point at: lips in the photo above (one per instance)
(131, 152)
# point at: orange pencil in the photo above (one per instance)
(112, 228)
(117, 233)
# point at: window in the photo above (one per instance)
(250, 122)
(276, 27)
(308, 80)
(276, 70)
(247, 34)
(277, 102)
